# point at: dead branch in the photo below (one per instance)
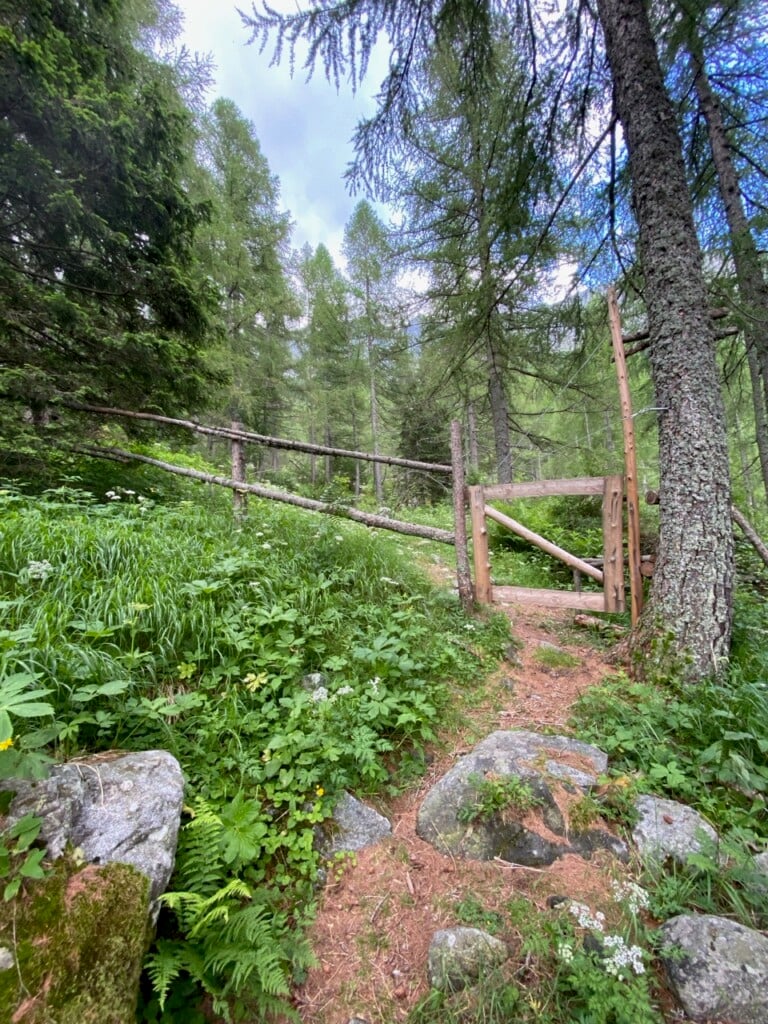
(343, 511)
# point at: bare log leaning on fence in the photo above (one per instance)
(750, 533)
(366, 518)
(271, 442)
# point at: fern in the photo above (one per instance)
(236, 946)
(163, 966)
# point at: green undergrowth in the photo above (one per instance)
(704, 745)
(133, 625)
(571, 963)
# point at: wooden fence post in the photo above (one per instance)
(613, 544)
(630, 460)
(239, 498)
(463, 575)
(483, 589)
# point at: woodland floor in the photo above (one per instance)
(378, 913)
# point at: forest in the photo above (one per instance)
(529, 156)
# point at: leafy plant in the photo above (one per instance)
(497, 794)
(150, 625)
(18, 860)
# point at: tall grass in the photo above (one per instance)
(139, 625)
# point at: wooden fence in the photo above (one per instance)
(611, 576)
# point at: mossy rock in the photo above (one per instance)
(78, 938)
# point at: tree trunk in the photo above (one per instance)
(239, 498)
(497, 395)
(693, 584)
(474, 452)
(753, 289)
(378, 484)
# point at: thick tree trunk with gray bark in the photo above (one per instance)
(693, 582)
(753, 288)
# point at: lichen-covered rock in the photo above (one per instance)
(126, 810)
(760, 861)
(79, 936)
(666, 828)
(718, 969)
(459, 956)
(542, 763)
(354, 826)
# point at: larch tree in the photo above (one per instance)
(692, 592)
(473, 195)
(243, 250)
(329, 364)
(371, 270)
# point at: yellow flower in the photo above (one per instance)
(4, 744)
(253, 681)
(320, 791)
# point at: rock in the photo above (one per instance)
(355, 825)
(80, 936)
(314, 682)
(718, 969)
(126, 810)
(541, 762)
(760, 861)
(669, 829)
(458, 956)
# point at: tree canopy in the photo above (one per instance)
(96, 227)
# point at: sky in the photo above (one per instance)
(304, 127)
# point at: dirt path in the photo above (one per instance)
(381, 907)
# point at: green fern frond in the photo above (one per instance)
(163, 966)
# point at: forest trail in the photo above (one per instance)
(379, 910)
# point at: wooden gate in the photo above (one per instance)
(611, 576)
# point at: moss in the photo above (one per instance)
(79, 938)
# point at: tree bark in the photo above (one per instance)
(753, 288)
(693, 584)
(239, 498)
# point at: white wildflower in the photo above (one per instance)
(338, 537)
(266, 546)
(319, 694)
(584, 916)
(374, 684)
(39, 570)
(387, 579)
(565, 952)
(635, 897)
(113, 496)
(343, 691)
(622, 957)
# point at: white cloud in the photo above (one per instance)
(304, 127)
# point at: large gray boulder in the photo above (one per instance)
(667, 829)
(718, 969)
(459, 956)
(122, 810)
(542, 763)
(354, 826)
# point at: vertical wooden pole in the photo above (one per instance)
(463, 575)
(483, 589)
(613, 544)
(239, 498)
(630, 460)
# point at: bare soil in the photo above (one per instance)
(379, 910)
